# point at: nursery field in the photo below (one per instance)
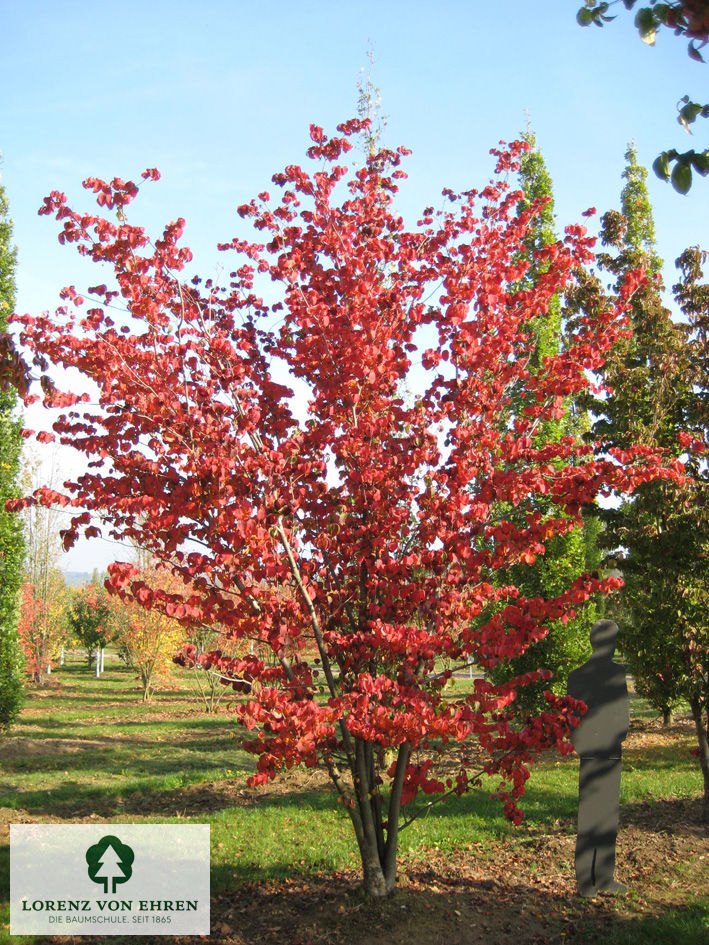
(284, 861)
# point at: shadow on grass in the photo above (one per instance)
(193, 793)
(186, 796)
(105, 754)
(667, 760)
(112, 761)
(68, 702)
(74, 687)
(58, 728)
(171, 785)
(673, 814)
(88, 746)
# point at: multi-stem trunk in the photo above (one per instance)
(701, 723)
(377, 844)
(377, 835)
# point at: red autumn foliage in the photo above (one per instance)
(42, 627)
(357, 531)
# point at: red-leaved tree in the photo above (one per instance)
(359, 522)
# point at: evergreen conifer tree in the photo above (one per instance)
(649, 379)
(635, 206)
(11, 538)
(660, 535)
(570, 555)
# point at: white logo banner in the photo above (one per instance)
(109, 879)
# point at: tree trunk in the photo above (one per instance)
(378, 855)
(667, 717)
(374, 882)
(702, 725)
(146, 682)
(41, 660)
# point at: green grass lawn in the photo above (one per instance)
(91, 746)
(88, 747)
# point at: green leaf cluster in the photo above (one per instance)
(684, 19)
(680, 176)
(11, 536)
(594, 13)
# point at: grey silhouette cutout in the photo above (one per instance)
(598, 740)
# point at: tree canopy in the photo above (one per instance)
(354, 528)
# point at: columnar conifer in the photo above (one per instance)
(659, 538)
(574, 553)
(11, 540)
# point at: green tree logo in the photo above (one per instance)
(110, 862)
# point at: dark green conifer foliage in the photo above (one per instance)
(567, 556)
(648, 377)
(11, 538)
(692, 586)
(660, 536)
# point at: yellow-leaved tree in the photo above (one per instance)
(149, 638)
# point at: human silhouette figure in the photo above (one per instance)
(600, 683)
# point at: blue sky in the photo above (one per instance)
(219, 96)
